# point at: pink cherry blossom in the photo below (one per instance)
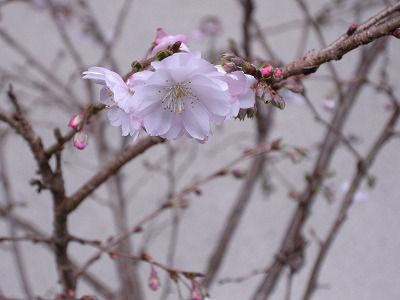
(117, 94)
(163, 41)
(240, 88)
(184, 95)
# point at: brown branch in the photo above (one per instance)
(322, 42)
(179, 199)
(264, 126)
(36, 64)
(72, 202)
(294, 231)
(18, 256)
(362, 168)
(311, 61)
(33, 230)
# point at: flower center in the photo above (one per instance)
(174, 98)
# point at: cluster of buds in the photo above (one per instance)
(81, 138)
(269, 95)
(269, 72)
(230, 62)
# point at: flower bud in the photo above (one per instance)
(196, 293)
(277, 100)
(71, 293)
(81, 140)
(266, 71)
(77, 121)
(278, 74)
(163, 54)
(154, 281)
(229, 67)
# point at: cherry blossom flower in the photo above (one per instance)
(164, 40)
(241, 89)
(117, 95)
(184, 95)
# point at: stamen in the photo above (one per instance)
(174, 98)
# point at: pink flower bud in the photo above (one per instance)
(81, 140)
(71, 293)
(154, 281)
(266, 71)
(229, 67)
(278, 74)
(77, 121)
(196, 293)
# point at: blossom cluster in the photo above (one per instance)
(180, 95)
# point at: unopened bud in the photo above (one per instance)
(248, 68)
(266, 71)
(196, 293)
(278, 74)
(352, 29)
(229, 67)
(277, 100)
(71, 293)
(163, 54)
(136, 66)
(81, 140)
(76, 122)
(154, 281)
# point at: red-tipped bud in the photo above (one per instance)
(77, 121)
(278, 73)
(81, 140)
(154, 281)
(266, 71)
